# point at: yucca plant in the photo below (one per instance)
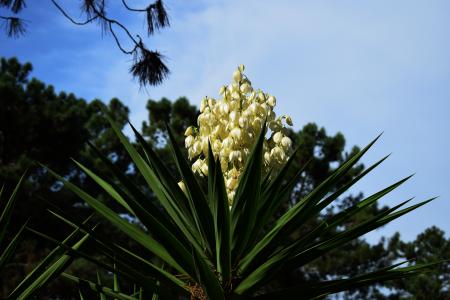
(213, 238)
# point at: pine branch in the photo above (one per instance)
(13, 26)
(14, 5)
(148, 66)
(133, 9)
(65, 14)
(156, 15)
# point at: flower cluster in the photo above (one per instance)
(232, 125)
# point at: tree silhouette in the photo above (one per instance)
(147, 67)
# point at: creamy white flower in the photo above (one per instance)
(234, 116)
(232, 125)
(286, 142)
(196, 166)
(272, 101)
(236, 133)
(203, 104)
(189, 141)
(246, 88)
(189, 131)
(278, 154)
(205, 146)
(182, 187)
(235, 156)
(204, 168)
(216, 146)
(224, 108)
(237, 75)
(228, 142)
(197, 147)
(231, 183)
(277, 137)
(267, 157)
(261, 96)
(289, 121)
(243, 121)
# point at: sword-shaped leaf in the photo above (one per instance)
(247, 200)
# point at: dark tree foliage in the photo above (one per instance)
(37, 124)
(428, 246)
(148, 66)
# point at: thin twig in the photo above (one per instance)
(118, 42)
(70, 18)
(133, 9)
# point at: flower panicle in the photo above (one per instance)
(231, 125)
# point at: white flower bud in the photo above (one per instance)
(237, 76)
(197, 148)
(189, 141)
(217, 145)
(224, 164)
(236, 133)
(270, 116)
(275, 125)
(272, 101)
(231, 183)
(196, 166)
(243, 122)
(261, 96)
(189, 131)
(191, 153)
(289, 121)
(286, 142)
(234, 116)
(277, 153)
(224, 108)
(263, 110)
(227, 142)
(231, 196)
(203, 104)
(254, 108)
(205, 146)
(246, 88)
(234, 173)
(257, 124)
(235, 156)
(204, 168)
(235, 95)
(182, 187)
(222, 90)
(267, 157)
(277, 137)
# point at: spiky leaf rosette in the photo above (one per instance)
(46, 270)
(213, 251)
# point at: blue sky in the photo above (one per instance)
(358, 67)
